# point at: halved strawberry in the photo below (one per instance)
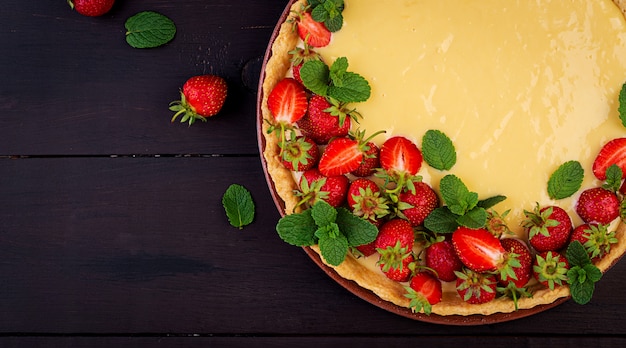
(341, 156)
(401, 160)
(287, 101)
(424, 290)
(613, 152)
(312, 32)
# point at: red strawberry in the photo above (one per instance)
(524, 271)
(595, 238)
(424, 291)
(550, 269)
(311, 32)
(341, 156)
(370, 161)
(324, 121)
(91, 8)
(613, 152)
(401, 160)
(394, 242)
(201, 97)
(416, 206)
(366, 249)
(287, 101)
(548, 228)
(299, 56)
(481, 251)
(365, 200)
(476, 288)
(441, 257)
(598, 205)
(400, 272)
(300, 154)
(314, 187)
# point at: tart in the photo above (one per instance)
(509, 83)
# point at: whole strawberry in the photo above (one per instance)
(550, 269)
(314, 187)
(201, 97)
(91, 8)
(300, 154)
(400, 272)
(394, 242)
(476, 288)
(370, 161)
(440, 256)
(549, 228)
(299, 56)
(424, 291)
(416, 206)
(595, 238)
(523, 273)
(598, 205)
(324, 121)
(365, 201)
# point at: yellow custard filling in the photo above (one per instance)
(519, 86)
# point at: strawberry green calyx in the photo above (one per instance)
(188, 112)
(599, 240)
(475, 287)
(538, 221)
(393, 257)
(550, 269)
(370, 205)
(514, 293)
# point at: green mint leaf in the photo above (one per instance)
(593, 273)
(566, 180)
(149, 29)
(438, 150)
(613, 178)
(315, 76)
(475, 218)
(328, 12)
(319, 14)
(323, 213)
(334, 24)
(338, 71)
(456, 195)
(576, 254)
(239, 206)
(622, 105)
(354, 89)
(356, 230)
(298, 229)
(491, 201)
(441, 220)
(333, 245)
(581, 288)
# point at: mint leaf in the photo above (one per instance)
(491, 201)
(351, 88)
(622, 105)
(356, 230)
(323, 213)
(238, 205)
(328, 12)
(298, 229)
(566, 180)
(456, 195)
(475, 218)
(333, 245)
(582, 274)
(149, 29)
(441, 220)
(315, 76)
(438, 150)
(614, 176)
(581, 289)
(576, 254)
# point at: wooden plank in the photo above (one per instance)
(71, 84)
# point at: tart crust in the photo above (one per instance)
(277, 66)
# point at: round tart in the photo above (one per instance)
(509, 84)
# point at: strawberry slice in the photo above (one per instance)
(423, 291)
(287, 101)
(613, 152)
(341, 156)
(400, 155)
(313, 33)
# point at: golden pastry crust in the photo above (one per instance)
(276, 68)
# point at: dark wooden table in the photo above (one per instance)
(112, 231)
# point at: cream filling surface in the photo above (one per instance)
(519, 86)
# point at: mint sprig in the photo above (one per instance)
(239, 206)
(334, 230)
(622, 105)
(566, 180)
(438, 150)
(582, 274)
(335, 82)
(328, 12)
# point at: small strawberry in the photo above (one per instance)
(549, 228)
(370, 161)
(91, 8)
(299, 56)
(324, 121)
(423, 291)
(201, 97)
(312, 32)
(365, 201)
(496, 223)
(300, 154)
(481, 251)
(314, 187)
(595, 238)
(550, 269)
(439, 255)
(394, 243)
(416, 205)
(598, 205)
(523, 273)
(474, 287)
(613, 152)
(401, 160)
(400, 272)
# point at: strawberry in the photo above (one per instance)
(365, 200)
(312, 32)
(595, 238)
(401, 160)
(439, 255)
(523, 273)
(370, 161)
(424, 290)
(598, 205)
(394, 242)
(299, 56)
(416, 205)
(548, 228)
(481, 251)
(365, 250)
(496, 223)
(314, 187)
(613, 152)
(201, 97)
(91, 8)
(324, 121)
(287, 101)
(344, 155)
(300, 154)
(401, 272)
(476, 288)
(550, 269)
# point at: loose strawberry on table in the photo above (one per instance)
(91, 8)
(201, 97)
